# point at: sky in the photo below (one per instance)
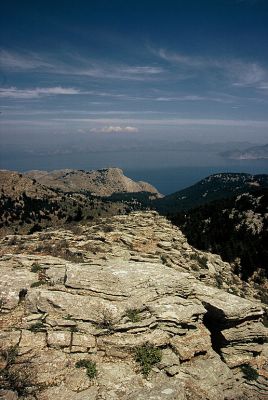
(117, 76)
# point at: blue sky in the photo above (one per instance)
(111, 74)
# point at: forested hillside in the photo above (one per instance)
(236, 228)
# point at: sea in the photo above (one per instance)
(167, 171)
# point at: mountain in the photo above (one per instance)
(103, 182)
(126, 309)
(251, 153)
(218, 186)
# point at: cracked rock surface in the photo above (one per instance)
(100, 293)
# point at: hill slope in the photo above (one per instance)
(104, 182)
(27, 206)
(236, 228)
(213, 187)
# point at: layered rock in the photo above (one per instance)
(127, 282)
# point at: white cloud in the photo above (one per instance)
(247, 74)
(264, 85)
(240, 73)
(193, 98)
(15, 93)
(170, 122)
(147, 70)
(115, 129)
(20, 61)
(179, 58)
(76, 64)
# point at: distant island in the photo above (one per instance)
(251, 153)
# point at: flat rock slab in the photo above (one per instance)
(226, 306)
(13, 280)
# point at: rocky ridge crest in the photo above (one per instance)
(103, 291)
(102, 182)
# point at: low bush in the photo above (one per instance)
(36, 267)
(133, 314)
(90, 367)
(37, 327)
(38, 283)
(147, 356)
(249, 372)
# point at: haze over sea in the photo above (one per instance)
(167, 171)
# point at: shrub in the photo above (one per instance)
(133, 314)
(22, 294)
(37, 327)
(36, 267)
(74, 329)
(147, 356)
(106, 320)
(249, 372)
(38, 283)
(90, 367)
(10, 355)
(2, 303)
(13, 378)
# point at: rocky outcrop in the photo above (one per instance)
(103, 182)
(128, 283)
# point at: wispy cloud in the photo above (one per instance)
(179, 58)
(247, 74)
(264, 85)
(15, 93)
(75, 64)
(22, 61)
(240, 73)
(115, 129)
(196, 98)
(120, 72)
(142, 70)
(173, 121)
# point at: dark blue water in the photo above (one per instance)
(169, 180)
(167, 171)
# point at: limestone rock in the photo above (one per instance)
(140, 283)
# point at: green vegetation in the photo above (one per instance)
(37, 327)
(90, 367)
(106, 321)
(214, 187)
(133, 314)
(74, 329)
(10, 355)
(37, 284)
(222, 227)
(147, 356)
(249, 372)
(2, 303)
(15, 377)
(36, 267)
(68, 317)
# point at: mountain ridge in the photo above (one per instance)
(102, 182)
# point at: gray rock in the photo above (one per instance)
(136, 286)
